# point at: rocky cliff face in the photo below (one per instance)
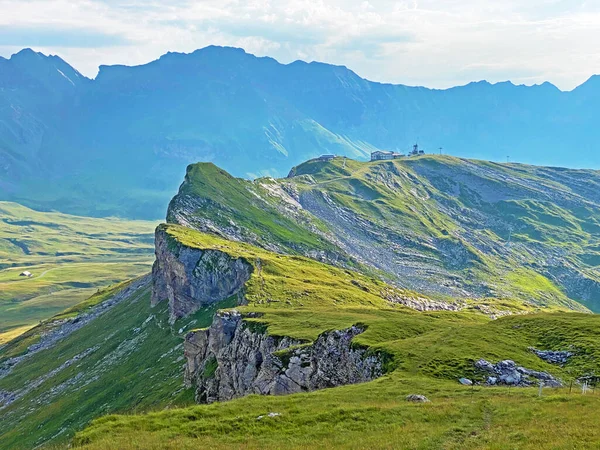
(191, 279)
(233, 358)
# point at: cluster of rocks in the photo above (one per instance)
(553, 356)
(508, 373)
(492, 313)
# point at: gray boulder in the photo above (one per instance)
(416, 398)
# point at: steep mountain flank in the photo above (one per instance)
(446, 227)
(68, 142)
(115, 353)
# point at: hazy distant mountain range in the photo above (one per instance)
(118, 144)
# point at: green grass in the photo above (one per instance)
(136, 370)
(70, 257)
(136, 365)
(427, 353)
(373, 415)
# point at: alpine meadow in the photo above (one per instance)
(220, 249)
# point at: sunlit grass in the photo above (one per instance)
(70, 257)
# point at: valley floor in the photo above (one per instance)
(69, 257)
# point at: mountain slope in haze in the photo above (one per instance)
(442, 226)
(115, 144)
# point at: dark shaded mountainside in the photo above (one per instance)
(395, 277)
(116, 144)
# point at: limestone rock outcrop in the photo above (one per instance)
(191, 278)
(234, 357)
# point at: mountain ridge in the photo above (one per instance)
(439, 225)
(240, 50)
(68, 142)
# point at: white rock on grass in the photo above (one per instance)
(417, 398)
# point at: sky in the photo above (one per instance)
(433, 43)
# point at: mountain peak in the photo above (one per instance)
(594, 81)
(28, 54)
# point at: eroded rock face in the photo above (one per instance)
(234, 358)
(191, 278)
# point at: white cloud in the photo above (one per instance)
(438, 43)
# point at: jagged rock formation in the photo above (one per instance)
(190, 278)
(233, 358)
(508, 373)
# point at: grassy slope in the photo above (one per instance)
(301, 298)
(374, 415)
(70, 258)
(235, 200)
(499, 218)
(136, 365)
(417, 196)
